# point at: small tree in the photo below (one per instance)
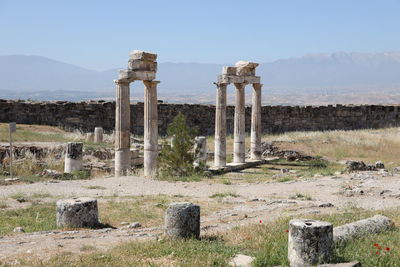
(177, 159)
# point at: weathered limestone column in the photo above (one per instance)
(220, 126)
(98, 134)
(182, 219)
(122, 129)
(150, 128)
(77, 212)
(200, 152)
(255, 146)
(310, 242)
(89, 137)
(239, 150)
(73, 157)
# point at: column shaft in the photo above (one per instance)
(122, 129)
(239, 126)
(255, 146)
(220, 126)
(150, 128)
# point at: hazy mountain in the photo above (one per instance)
(312, 74)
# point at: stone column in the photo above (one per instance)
(220, 126)
(98, 134)
(150, 128)
(122, 129)
(255, 146)
(239, 150)
(73, 157)
(200, 152)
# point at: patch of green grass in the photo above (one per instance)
(224, 194)
(226, 181)
(191, 178)
(27, 133)
(3, 204)
(285, 179)
(38, 217)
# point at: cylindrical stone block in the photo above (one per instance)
(98, 134)
(239, 134)
(255, 143)
(122, 161)
(310, 242)
(73, 157)
(372, 225)
(150, 128)
(89, 137)
(77, 212)
(182, 219)
(220, 126)
(122, 128)
(200, 150)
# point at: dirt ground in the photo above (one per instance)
(265, 201)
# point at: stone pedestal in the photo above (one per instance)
(122, 128)
(77, 212)
(200, 151)
(220, 126)
(90, 137)
(182, 220)
(310, 242)
(239, 149)
(255, 146)
(73, 157)
(98, 134)
(150, 128)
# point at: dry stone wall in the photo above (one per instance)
(275, 119)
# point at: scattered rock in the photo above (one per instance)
(396, 170)
(19, 230)
(241, 260)
(51, 173)
(284, 170)
(21, 199)
(326, 205)
(346, 264)
(270, 150)
(10, 180)
(353, 165)
(379, 165)
(135, 225)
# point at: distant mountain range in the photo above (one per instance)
(41, 78)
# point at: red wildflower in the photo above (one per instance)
(260, 221)
(248, 238)
(375, 245)
(377, 253)
(379, 248)
(287, 231)
(387, 248)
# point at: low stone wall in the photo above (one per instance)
(275, 119)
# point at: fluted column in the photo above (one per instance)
(255, 146)
(239, 127)
(150, 128)
(220, 126)
(122, 128)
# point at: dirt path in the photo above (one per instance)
(256, 201)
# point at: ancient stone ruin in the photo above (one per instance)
(242, 74)
(142, 66)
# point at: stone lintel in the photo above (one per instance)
(252, 79)
(130, 76)
(143, 55)
(226, 70)
(230, 79)
(140, 65)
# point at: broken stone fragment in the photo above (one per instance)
(379, 165)
(229, 70)
(130, 76)
(246, 68)
(19, 230)
(142, 55)
(139, 65)
(77, 212)
(182, 220)
(241, 260)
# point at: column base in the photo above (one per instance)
(150, 163)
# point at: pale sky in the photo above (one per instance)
(100, 34)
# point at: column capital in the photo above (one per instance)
(257, 85)
(151, 83)
(117, 82)
(240, 85)
(218, 84)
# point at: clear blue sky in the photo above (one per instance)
(100, 34)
